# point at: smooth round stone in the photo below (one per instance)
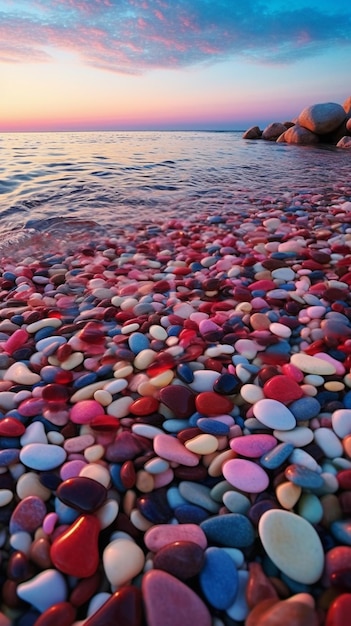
(239, 610)
(62, 613)
(182, 559)
(171, 449)
(293, 545)
(44, 590)
(212, 426)
(253, 446)
(170, 601)
(226, 384)
(42, 456)
(236, 502)
(301, 457)
(298, 437)
(204, 380)
(20, 373)
(280, 330)
(277, 456)
(341, 530)
(198, 494)
(218, 578)
(251, 393)
(341, 422)
(6, 496)
(245, 475)
(162, 535)
(202, 444)
(232, 530)
(210, 403)
(122, 561)
(288, 494)
(274, 414)
(137, 342)
(75, 551)
(122, 607)
(304, 477)
(11, 427)
(85, 411)
(305, 409)
(310, 508)
(312, 365)
(28, 515)
(339, 610)
(327, 440)
(179, 399)
(282, 388)
(82, 493)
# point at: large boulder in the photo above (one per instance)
(273, 131)
(345, 143)
(347, 105)
(322, 118)
(253, 133)
(335, 135)
(298, 135)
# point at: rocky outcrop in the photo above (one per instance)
(298, 135)
(253, 133)
(326, 123)
(273, 131)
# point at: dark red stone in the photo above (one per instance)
(123, 608)
(11, 427)
(85, 589)
(75, 551)
(179, 399)
(19, 567)
(282, 388)
(62, 614)
(182, 559)
(145, 405)
(210, 403)
(105, 423)
(55, 393)
(82, 493)
(344, 479)
(128, 474)
(340, 610)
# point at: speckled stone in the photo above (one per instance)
(233, 530)
(219, 578)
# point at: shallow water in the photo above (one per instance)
(46, 178)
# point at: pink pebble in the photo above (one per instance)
(164, 478)
(245, 475)
(162, 535)
(49, 523)
(171, 449)
(84, 411)
(339, 367)
(290, 370)
(71, 469)
(253, 446)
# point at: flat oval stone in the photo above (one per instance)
(232, 530)
(277, 456)
(169, 601)
(245, 475)
(85, 411)
(312, 365)
(28, 515)
(75, 551)
(171, 449)
(293, 545)
(274, 414)
(122, 560)
(20, 373)
(82, 493)
(305, 409)
(164, 534)
(341, 422)
(123, 607)
(282, 388)
(303, 477)
(210, 403)
(253, 446)
(219, 578)
(202, 444)
(42, 456)
(182, 559)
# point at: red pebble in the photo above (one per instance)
(84, 590)
(344, 479)
(210, 403)
(340, 610)
(179, 399)
(128, 474)
(123, 608)
(282, 388)
(55, 393)
(11, 427)
(17, 340)
(61, 613)
(144, 406)
(75, 551)
(105, 423)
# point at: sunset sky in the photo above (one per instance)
(177, 64)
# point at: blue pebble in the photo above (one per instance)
(305, 408)
(233, 530)
(17, 319)
(86, 379)
(115, 473)
(194, 418)
(175, 425)
(219, 578)
(174, 330)
(216, 219)
(174, 498)
(9, 276)
(304, 477)
(226, 384)
(47, 331)
(9, 442)
(282, 347)
(138, 342)
(341, 531)
(277, 456)
(325, 396)
(212, 427)
(185, 373)
(49, 373)
(196, 266)
(190, 514)
(347, 400)
(104, 371)
(65, 513)
(29, 618)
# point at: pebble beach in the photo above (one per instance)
(175, 420)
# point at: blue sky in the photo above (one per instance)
(169, 63)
